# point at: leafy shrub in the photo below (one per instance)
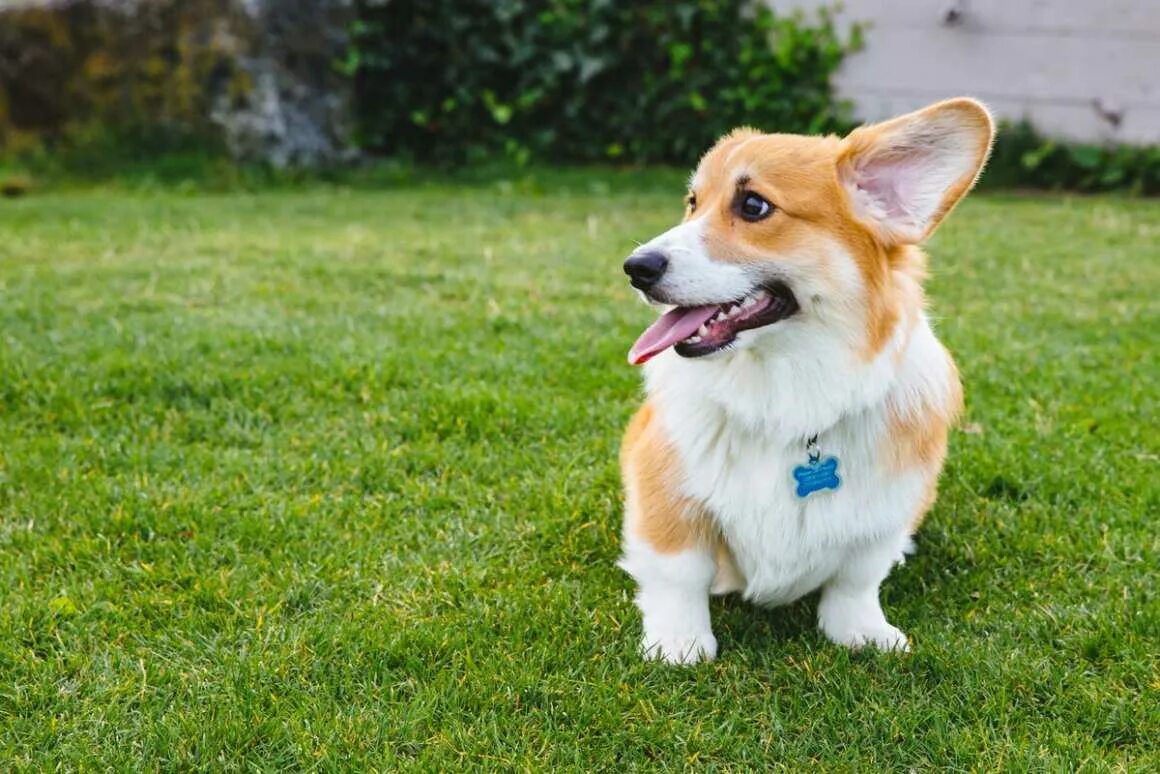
(586, 80)
(1022, 158)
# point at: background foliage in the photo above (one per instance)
(168, 91)
(1024, 158)
(586, 80)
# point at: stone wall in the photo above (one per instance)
(257, 75)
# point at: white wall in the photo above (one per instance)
(1071, 66)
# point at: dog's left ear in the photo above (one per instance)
(904, 175)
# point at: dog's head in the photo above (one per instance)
(806, 230)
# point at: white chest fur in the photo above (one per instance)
(740, 424)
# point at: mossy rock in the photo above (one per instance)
(255, 75)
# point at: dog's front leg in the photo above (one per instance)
(673, 597)
(666, 547)
(849, 612)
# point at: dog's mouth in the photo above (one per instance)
(695, 331)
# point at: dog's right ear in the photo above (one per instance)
(904, 175)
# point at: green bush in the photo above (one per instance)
(586, 80)
(1022, 158)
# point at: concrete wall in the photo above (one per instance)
(1084, 70)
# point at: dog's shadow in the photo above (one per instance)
(740, 625)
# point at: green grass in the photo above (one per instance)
(322, 478)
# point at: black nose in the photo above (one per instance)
(646, 269)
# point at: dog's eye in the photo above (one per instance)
(691, 201)
(753, 207)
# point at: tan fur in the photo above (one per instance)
(918, 439)
(653, 512)
(927, 502)
(652, 475)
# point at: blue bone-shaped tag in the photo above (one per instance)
(816, 476)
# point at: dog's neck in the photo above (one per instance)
(794, 384)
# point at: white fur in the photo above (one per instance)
(692, 277)
(673, 597)
(739, 421)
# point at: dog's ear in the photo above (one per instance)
(904, 175)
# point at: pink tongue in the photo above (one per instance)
(674, 326)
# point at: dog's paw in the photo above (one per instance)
(680, 647)
(882, 636)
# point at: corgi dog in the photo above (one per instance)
(798, 402)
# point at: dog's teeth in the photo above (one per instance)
(695, 339)
(703, 330)
(749, 302)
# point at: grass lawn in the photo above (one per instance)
(326, 478)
